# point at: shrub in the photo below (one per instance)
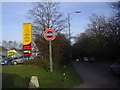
(41, 63)
(60, 49)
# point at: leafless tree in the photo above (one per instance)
(46, 15)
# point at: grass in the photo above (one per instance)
(18, 76)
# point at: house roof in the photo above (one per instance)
(2, 48)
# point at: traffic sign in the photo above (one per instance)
(50, 36)
(46, 34)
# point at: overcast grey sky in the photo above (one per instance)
(14, 14)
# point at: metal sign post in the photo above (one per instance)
(50, 51)
(53, 34)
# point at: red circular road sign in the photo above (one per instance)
(53, 34)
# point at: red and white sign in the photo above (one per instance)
(27, 50)
(27, 47)
(46, 34)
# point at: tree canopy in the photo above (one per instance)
(101, 38)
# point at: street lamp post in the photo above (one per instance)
(70, 31)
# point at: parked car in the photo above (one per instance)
(77, 60)
(6, 61)
(115, 68)
(92, 59)
(20, 60)
(86, 59)
(80, 59)
(35, 56)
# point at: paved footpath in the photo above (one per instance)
(93, 80)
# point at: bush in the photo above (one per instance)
(60, 49)
(41, 63)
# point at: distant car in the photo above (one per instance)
(92, 59)
(20, 60)
(6, 61)
(35, 56)
(86, 59)
(77, 60)
(80, 59)
(115, 68)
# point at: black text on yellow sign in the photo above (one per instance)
(27, 33)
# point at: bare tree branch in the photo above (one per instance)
(46, 15)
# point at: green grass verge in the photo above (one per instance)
(18, 76)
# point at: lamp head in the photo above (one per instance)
(78, 12)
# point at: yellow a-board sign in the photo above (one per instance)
(27, 33)
(10, 53)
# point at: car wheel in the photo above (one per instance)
(9, 63)
(15, 63)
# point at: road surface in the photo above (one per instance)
(96, 75)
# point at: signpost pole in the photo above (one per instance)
(53, 34)
(50, 51)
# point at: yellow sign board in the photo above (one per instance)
(27, 33)
(10, 53)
